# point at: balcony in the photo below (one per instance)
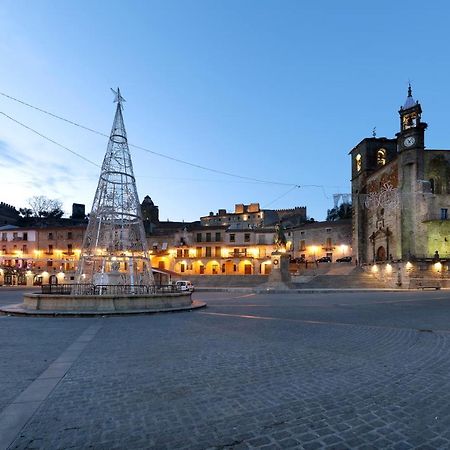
(238, 255)
(159, 252)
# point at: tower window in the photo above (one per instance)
(358, 160)
(444, 213)
(381, 157)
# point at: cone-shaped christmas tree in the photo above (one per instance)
(114, 248)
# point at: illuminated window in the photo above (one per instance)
(358, 162)
(381, 157)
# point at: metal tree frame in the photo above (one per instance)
(114, 248)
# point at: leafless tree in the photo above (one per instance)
(42, 206)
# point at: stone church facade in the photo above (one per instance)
(401, 195)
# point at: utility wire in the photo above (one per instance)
(171, 158)
(50, 139)
(281, 196)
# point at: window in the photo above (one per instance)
(328, 230)
(247, 237)
(186, 253)
(15, 236)
(432, 185)
(198, 252)
(69, 235)
(232, 237)
(208, 237)
(302, 245)
(199, 237)
(179, 253)
(218, 252)
(381, 157)
(25, 236)
(218, 237)
(302, 233)
(4, 237)
(202, 270)
(49, 263)
(50, 236)
(50, 249)
(358, 161)
(329, 244)
(444, 213)
(182, 267)
(208, 252)
(24, 249)
(69, 249)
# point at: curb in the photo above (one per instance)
(18, 310)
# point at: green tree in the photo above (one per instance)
(343, 211)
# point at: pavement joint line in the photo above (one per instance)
(318, 322)
(18, 413)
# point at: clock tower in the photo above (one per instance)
(412, 130)
(411, 171)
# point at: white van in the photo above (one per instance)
(183, 285)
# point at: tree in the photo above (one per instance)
(25, 212)
(42, 206)
(343, 211)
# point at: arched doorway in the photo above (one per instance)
(381, 254)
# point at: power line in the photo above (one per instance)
(50, 139)
(162, 155)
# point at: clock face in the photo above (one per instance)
(409, 141)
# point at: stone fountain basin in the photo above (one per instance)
(107, 303)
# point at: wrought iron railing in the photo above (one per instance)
(91, 289)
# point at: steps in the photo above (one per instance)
(355, 279)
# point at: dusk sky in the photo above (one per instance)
(270, 90)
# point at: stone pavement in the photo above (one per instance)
(336, 371)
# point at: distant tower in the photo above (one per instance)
(114, 248)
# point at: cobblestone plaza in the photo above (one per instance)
(336, 371)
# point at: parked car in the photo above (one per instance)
(344, 259)
(324, 259)
(183, 285)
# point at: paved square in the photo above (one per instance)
(337, 371)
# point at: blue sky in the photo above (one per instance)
(273, 90)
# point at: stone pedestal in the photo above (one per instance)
(29, 277)
(280, 268)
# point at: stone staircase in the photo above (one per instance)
(355, 279)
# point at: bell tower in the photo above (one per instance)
(411, 162)
(412, 129)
